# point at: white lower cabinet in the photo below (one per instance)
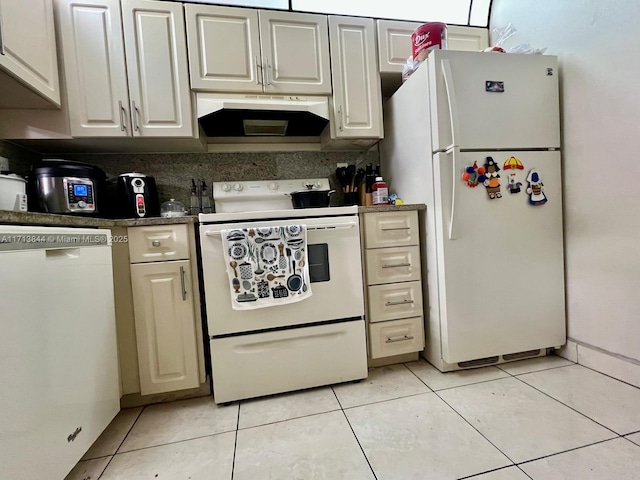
(393, 273)
(165, 326)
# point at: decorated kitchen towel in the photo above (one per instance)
(267, 266)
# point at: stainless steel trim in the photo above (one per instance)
(396, 265)
(123, 126)
(402, 302)
(395, 228)
(135, 113)
(402, 339)
(184, 288)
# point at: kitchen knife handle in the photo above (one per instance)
(135, 112)
(182, 281)
(123, 126)
(258, 67)
(395, 265)
(401, 339)
(340, 117)
(401, 302)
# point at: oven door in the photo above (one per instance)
(335, 269)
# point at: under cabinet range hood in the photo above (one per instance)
(260, 116)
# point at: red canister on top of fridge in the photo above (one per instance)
(427, 37)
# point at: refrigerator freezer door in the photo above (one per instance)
(525, 115)
(501, 279)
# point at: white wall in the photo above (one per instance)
(598, 45)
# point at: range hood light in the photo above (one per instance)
(275, 128)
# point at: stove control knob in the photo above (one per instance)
(238, 187)
(226, 187)
(318, 184)
(273, 186)
(82, 204)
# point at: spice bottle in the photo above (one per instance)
(380, 192)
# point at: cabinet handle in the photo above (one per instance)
(401, 339)
(401, 302)
(257, 67)
(184, 288)
(395, 228)
(394, 265)
(2, 52)
(135, 112)
(123, 112)
(268, 75)
(340, 117)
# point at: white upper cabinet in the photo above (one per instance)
(224, 48)
(94, 67)
(295, 52)
(394, 42)
(245, 50)
(357, 99)
(28, 54)
(156, 54)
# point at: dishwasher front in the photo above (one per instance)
(58, 351)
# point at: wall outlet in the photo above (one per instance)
(340, 165)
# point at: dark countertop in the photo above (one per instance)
(392, 208)
(48, 219)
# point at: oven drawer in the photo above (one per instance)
(390, 265)
(391, 229)
(158, 243)
(396, 337)
(393, 301)
(246, 366)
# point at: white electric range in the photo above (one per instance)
(317, 341)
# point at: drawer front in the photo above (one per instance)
(391, 265)
(158, 243)
(397, 300)
(391, 229)
(396, 337)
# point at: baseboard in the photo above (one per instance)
(136, 400)
(617, 366)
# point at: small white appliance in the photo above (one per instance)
(317, 341)
(494, 252)
(13, 192)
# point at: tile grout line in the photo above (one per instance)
(123, 439)
(566, 451)
(535, 371)
(174, 442)
(606, 375)
(476, 475)
(235, 443)
(570, 407)
(354, 435)
(292, 418)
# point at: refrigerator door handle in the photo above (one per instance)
(454, 152)
(453, 104)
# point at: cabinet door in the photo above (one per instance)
(357, 100)
(28, 45)
(156, 54)
(224, 48)
(94, 67)
(472, 39)
(295, 52)
(394, 44)
(165, 326)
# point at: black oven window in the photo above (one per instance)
(318, 256)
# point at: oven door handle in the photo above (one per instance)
(330, 226)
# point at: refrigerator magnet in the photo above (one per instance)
(492, 179)
(513, 185)
(473, 175)
(535, 188)
(512, 163)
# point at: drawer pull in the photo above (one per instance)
(401, 339)
(395, 265)
(395, 228)
(155, 243)
(401, 302)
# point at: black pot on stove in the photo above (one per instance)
(311, 197)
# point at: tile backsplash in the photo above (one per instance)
(20, 158)
(173, 171)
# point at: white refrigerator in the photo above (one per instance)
(493, 240)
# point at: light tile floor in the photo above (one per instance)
(545, 418)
